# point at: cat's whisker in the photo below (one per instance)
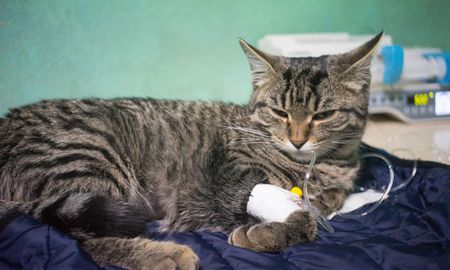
(252, 140)
(249, 131)
(250, 136)
(339, 142)
(326, 149)
(247, 143)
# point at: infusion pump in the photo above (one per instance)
(411, 104)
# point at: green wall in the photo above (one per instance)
(176, 49)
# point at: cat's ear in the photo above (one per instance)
(355, 64)
(261, 64)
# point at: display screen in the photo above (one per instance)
(421, 99)
(442, 103)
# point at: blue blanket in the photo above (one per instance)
(410, 230)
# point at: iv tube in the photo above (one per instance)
(385, 193)
(315, 212)
(323, 221)
(413, 172)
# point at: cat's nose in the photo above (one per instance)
(298, 144)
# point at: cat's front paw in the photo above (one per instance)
(299, 227)
(264, 237)
(179, 257)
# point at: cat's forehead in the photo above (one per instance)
(306, 84)
(306, 66)
(308, 72)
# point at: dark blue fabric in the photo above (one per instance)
(28, 244)
(410, 230)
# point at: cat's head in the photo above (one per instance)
(314, 103)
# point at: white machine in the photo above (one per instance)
(412, 84)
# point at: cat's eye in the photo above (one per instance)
(279, 113)
(323, 115)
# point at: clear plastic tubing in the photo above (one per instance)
(323, 221)
(316, 213)
(386, 191)
(413, 172)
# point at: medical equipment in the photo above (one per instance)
(270, 203)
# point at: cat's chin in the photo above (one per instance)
(297, 154)
(303, 154)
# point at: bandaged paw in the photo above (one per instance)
(270, 203)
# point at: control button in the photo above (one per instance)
(414, 111)
(431, 110)
(423, 110)
(406, 110)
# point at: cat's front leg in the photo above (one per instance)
(299, 227)
(329, 201)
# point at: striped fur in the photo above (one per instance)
(99, 169)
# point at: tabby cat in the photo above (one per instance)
(100, 169)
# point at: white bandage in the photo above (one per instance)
(270, 203)
(357, 200)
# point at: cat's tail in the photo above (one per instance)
(83, 215)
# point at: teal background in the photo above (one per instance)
(176, 49)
